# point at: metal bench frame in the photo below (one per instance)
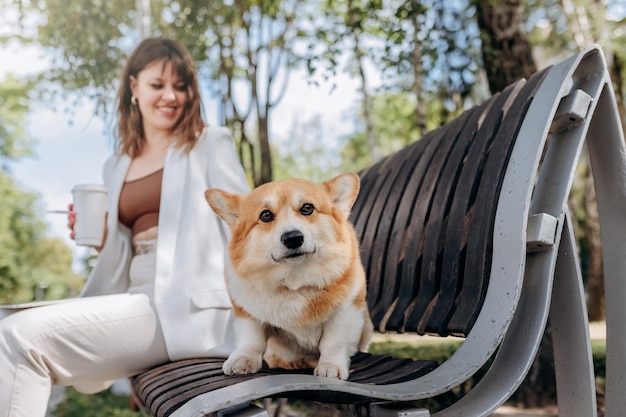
(535, 272)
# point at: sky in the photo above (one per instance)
(71, 148)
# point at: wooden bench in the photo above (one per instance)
(467, 232)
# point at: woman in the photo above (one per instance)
(157, 292)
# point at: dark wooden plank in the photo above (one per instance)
(365, 217)
(162, 375)
(379, 211)
(182, 381)
(370, 187)
(368, 179)
(454, 148)
(393, 373)
(452, 242)
(476, 275)
(380, 254)
(421, 152)
(362, 363)
(430, 273)
(446, 186)
(382, 371)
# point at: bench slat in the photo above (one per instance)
(167, 387)
(419, 154)
(464, 192)
(410, 285)
(471, 292)
(372, 213)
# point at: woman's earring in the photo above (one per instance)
(133, 100)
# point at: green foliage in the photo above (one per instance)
(598, 351)
(19, 230)
(244, 46)
(436, 351)
(306, 154)
(27, 257)
(51, 269)
(86, 41)
(394, 128)
(392, 119)
(443, 36)
(195, 23)
(29, 262)
(14, 105)
(104, 404)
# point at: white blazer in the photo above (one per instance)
(189, 285)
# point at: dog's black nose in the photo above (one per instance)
(292, 239)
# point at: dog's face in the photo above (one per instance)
(287, 225)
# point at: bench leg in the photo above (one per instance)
(608, 162)
(575, 379)
(394, 409)
(243, 410)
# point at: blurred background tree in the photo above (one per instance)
(32, 265)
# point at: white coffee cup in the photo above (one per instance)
(90, 209)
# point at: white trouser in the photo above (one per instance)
(94, 338)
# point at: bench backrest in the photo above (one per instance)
(425, 218)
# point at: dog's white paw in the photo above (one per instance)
(331, 370)
(240, 365)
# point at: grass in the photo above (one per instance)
(104, 404)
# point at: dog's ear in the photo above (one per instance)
(343, 190)
(225, 205)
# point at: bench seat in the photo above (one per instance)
(171, 385)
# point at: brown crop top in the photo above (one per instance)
(139, 202)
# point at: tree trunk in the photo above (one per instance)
(507, 54)
(266, 154)
(367, 99)
(616, 69)
(418, 85)
(595, 271)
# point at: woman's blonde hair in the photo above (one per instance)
(131, 137)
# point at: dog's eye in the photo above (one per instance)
(266, 216)
(307, 209)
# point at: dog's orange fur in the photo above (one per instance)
(302, 303)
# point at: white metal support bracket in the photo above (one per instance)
(541, 232)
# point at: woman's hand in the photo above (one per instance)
(71, 220)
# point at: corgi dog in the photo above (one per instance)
(294, 275)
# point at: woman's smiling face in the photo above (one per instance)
(161, 95)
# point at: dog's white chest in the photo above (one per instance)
(286, 310)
